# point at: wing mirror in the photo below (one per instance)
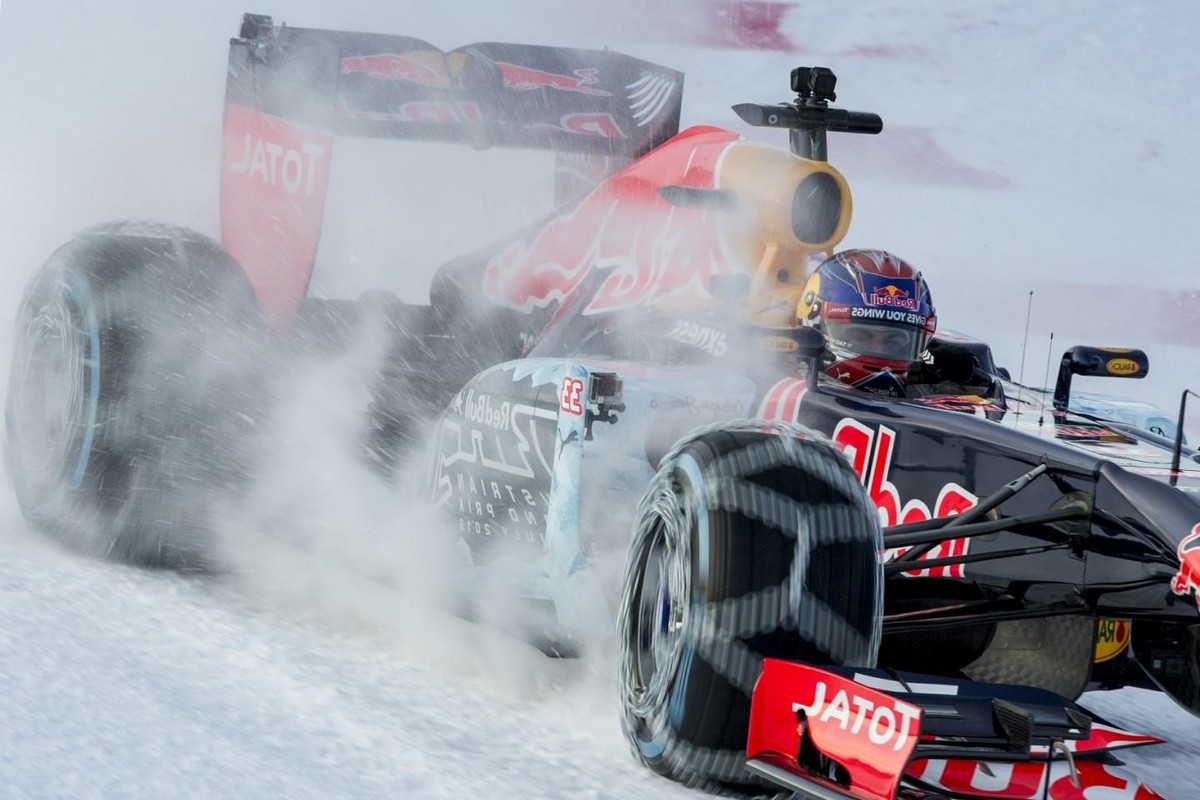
(1097, 362)
(810, 342)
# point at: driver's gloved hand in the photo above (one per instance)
(956, 364)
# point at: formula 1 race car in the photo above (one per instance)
(840, 592)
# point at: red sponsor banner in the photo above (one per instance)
(274, 174)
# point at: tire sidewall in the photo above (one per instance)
(648, 720)
(155, 308)
(59, 296)
(662, 725)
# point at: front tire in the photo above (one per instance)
(755, 541)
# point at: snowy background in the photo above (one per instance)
(1028, 146)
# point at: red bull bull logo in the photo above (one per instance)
(1187, 580)
(527, 79)
(648, 250)
(586, 124)
(894, 297)
(395, 67)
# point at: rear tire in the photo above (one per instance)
(132, 391)
(752, 542)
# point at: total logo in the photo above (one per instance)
(870, 733)
(870, 453)
(295, 171)
(893, 723)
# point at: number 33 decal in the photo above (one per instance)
(571, 398)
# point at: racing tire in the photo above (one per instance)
(753, 541)
(132, 391)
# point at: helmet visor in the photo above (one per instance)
(892, 342)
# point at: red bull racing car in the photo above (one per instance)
(844, 593)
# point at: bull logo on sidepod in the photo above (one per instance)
(1187, 580)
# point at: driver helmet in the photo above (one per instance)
(876, 314)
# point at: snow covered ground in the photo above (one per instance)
(1028, 146)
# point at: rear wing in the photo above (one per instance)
(291, 91)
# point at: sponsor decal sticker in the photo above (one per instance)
(276, 164)
(421, 67)
(711, 340)
(1122, 366)
(1187, 580)
(274, 173)
(893, 296)
(889, 315)
(571, 396)
(871, 734)
(494, 461)
(870, 454)
(778, 344)
(882, 723)
(603, 126)
(647, 251)
(479, 408)
(1031, 780)
(1112, 638)
(700, 407)
(528, 79)
(969, 403)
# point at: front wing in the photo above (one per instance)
(833, 733)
